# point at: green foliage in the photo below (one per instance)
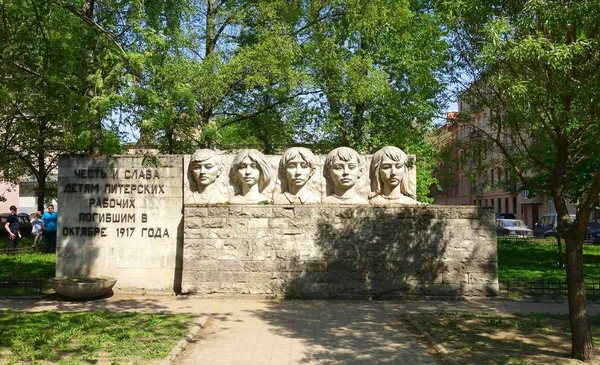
(535, 66)
(199, 73)
(90, 337)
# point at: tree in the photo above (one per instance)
(535, 66)
(375, 69)
(231, 65)
(63, 75)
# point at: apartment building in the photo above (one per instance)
(472, 172)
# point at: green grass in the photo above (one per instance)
(491, 338)
(535, 259)
(28, 265)
(89, 337)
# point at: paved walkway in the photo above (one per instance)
(253, 332)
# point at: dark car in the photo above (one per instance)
(505, 216)
(593, 235)
(24, 224)
(513, 228)
(547, 226)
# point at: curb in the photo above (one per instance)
(181, 345)
(441, 350)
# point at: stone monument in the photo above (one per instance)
(321, 227)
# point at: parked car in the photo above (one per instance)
(505, 216)
(593, 235)
(547, 226)
(513, 228)
(24, 224)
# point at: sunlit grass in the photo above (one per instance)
(89, 337)
(535, 259)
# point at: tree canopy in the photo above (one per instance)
(225, 73)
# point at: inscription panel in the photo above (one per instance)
(130, 213)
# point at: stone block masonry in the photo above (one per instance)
(327, 251)
(121, 217)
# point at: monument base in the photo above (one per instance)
(340, 251)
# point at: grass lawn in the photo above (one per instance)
(535, 259)
(28, 265)
(89, 337)
(503, 339)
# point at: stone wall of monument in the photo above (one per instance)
(121, 216)
(339, 251)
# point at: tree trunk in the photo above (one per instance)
(561, 264)
(582, 347)
(90, 91)
(210, 44)
(41, 164)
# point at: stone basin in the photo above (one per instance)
(82, 287)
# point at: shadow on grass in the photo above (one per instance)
(502, 339)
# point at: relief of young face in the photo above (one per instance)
(344, 173)
(206, 172)
(298, 171)
(391, 172)
(248, 172)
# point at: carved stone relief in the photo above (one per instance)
(343, 169)
(296, 168)
(206, 167)
(340, 177)
(250, 174)
(389, 174)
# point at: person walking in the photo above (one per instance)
(12, 227)
(37, 227)
(49, 217)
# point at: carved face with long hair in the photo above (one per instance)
(249, 168)
(388, 169)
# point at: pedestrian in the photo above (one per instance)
(12, 227)
(49, 217)
(37, 227)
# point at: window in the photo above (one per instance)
(505, 205)
(474, 202)
(486, 202)
(492, 202)
(514, 205)
(550, 207)
(499, 205)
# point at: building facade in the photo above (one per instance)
(473, 174)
